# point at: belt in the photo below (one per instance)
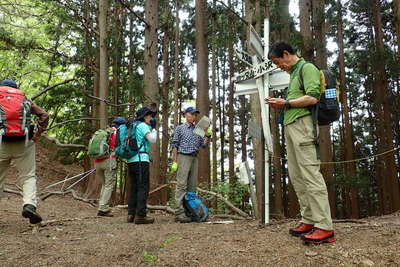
(194, 154)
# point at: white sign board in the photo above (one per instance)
(254, 130)
(256, 43)
(244, 177)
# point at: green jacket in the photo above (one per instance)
(311, 78)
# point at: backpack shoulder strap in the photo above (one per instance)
(301, 79)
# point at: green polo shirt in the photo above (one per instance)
(311, 78)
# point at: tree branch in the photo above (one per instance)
(227, 203)
(70, 191)
(11, 191)
(51, 87)
(233, 11)
(108, 102)
(68, 121)
(58, 143)
(127, 6)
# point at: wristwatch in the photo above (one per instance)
(287, 104)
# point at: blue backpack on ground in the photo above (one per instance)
(126, 144)
(194, 207)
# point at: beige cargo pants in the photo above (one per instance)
(186, 180)
(305, 175)
(25, 162)
(105, 171)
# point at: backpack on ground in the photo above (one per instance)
(327, 109)
(15, 115)
(126, 144)
(99, 144)
(194, 207)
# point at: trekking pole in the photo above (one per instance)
(86, 175)
(68, 179)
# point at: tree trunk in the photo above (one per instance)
(214, 99)
(305, 7)
(103, 89)
(101, 82)
(396, 9)
(382, 100)
(202, 101)
(347, 133)
(165, 112)
(231, 111)
(176, 70)
(151, 85)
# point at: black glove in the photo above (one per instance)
(153, 123)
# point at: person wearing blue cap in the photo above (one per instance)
(139, 167)
(185, 146)
(105, 170)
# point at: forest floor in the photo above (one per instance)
(72, 235)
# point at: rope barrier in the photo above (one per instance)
(353, 160)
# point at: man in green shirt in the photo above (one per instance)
(303, 163)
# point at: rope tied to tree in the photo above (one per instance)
(352, 160)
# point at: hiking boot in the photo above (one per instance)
(29, 211)
(318, 236)
(183, 219)
(303, 228)
(140, 219)
(105, 213)
(130, 218)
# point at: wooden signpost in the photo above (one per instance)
(262, 77)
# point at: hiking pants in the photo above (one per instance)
(140, 185)
(305, 175)
(25, 162)
(186, 180)
(105, 170)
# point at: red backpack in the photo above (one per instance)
(15, 114)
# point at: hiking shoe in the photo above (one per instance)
(105, 213)
(140, 219)
(29, 211)
(130, 218)
(303, 228)
(318, 236)
(183, 219)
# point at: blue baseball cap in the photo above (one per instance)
(191, 110)
(9, 83)
(118, 121)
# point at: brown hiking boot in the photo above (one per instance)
(130, 218)
(303, 228)
(182, 218)
(105, 213)
(140, 219)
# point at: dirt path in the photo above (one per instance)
(79, 238)
(94, 241)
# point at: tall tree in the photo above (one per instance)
(202, 100)
(165, 104)
(151, 84)
(347, 133)
(231, 99)
(214, 95)
(176, 65)
(396, 4)
(104, 79)
(307, 50)
(380, 83)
